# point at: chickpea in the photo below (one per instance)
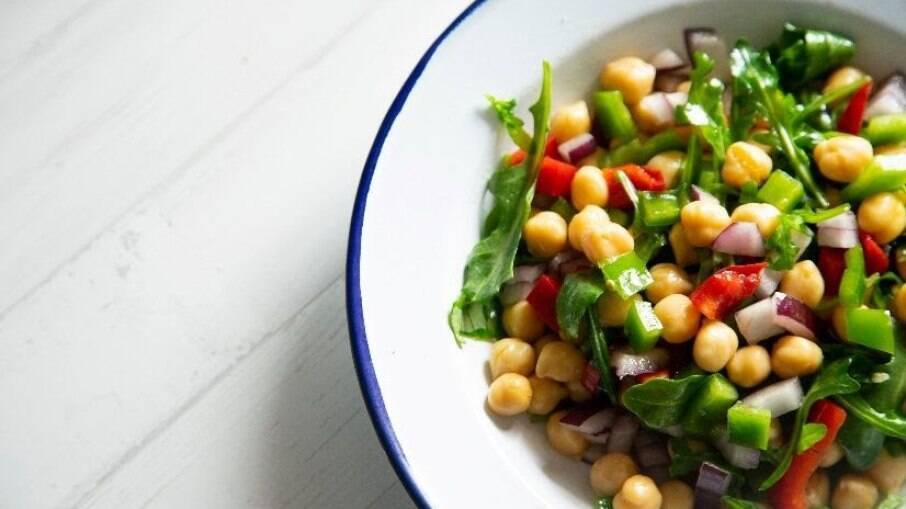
(677, 495)
(684, 86)
(545, 234)
(775, 434)
(588, 188)
(511, 355)
(560, 361)
(669, 164)
(842, 158)
(521, 321)
(842, 77)
(683, 252)
(578, 392)
(609, 473)
(638, 492)
(746, 162)
(795, 356)
(632, 76)
(817, 491)
(570, 121)
(647, 114)
(833, 455)
(546, 395)
(888, 472)
(764, 215)
(612, 310)
(749, 366)
(589, 218)
(715, 344)
(566, 441)
(703, 221)
(898, 304)
(679, 317)
(539, 345)
(668, 279)
(607, 241)
(510, 394)
(804, 282)
(883, 216)
(854, 491)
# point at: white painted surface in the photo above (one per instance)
(175, 186)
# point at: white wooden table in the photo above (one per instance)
(176, 179)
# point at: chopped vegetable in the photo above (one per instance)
(555, 177)
(543, 299)
(779, 398)
(642, 326)
(886, 129)
(852, 284)
(658, 209)
(661, 403)
(749, 426)
(803, 54)
(876, 259)
(873, 328)
(613, 117)
(850, 121)
(601, 359)
(578, 293)
(627, 275)
(726, 289)
(710, 405)
(885, 173)
(782, 191)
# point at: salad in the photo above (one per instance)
(694, 278)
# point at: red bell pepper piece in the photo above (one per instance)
(851, 119)
(661, 373)
(644, 179)
(832, 263)
(876, 259)
(724, 290)
(555, 178)
(550, 150)
(591, 378)
(789, 492)
(516, 157)
(543, 299)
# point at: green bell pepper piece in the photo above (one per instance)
(885, 129)
(710, 405)
(782, 191)
(564, 209)
(613, 117)
(870, 327)
(643, 328)
(658, 209)
(620, 217)
(639, 152)
(852, 284)
(648, 244)
(885, 173)
(627, 274)
(749, 427)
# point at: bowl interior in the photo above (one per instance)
(423, 212)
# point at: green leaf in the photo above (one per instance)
(491, 260)
(812, 433)
(781, 249)
(738, 503)
(704, 108)
(579, 292)
(505, 110)
(661, 402)
(601, 357)
(803, 55)
(891, 422)
(833, 380)
(478, 320)
(821, 215)
(893, 502)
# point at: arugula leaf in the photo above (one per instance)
(478, 320)
(687, 459)
(893, 502)
(803, 55)
(491, 262)
(580, 290)
(704, 108)
(812, 433)
(821, 101)
(782, 250)
(661, 402)
(688, 170)
(818, 216)
(738, 503)
(505, 110)
(756, 93)
(601, 357)
(891, 422)
(833, 380)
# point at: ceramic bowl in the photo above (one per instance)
(419, 206)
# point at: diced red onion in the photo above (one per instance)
(513, 292)
(577, 265)
(598, 438)
(712, 484)
(801, 241)
(623, 433)
(707, 41)
(739, 456)
(756, 322)
(668, 82)
(677, 98)
(667, 60)
(794, 316)
(700, 194)
(741, 238)
(838, 237)
(591, 378)
(589, 420)
(769, 281)
(845, 220)
(528, 273)
(563, 257)
(660, 109)
(890, 97)
(780, 398)
(577, 148)
(629, 364)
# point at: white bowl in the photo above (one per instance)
(418, 209)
